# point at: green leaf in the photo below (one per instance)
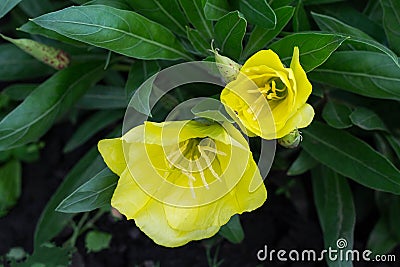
(37, 113)
(19, 92)
(123, 32)
(140, 71)
(351, 157)
(229, 33)
(336, 212)
(233, 230)
(15, 64)
(300, 19)
(198, 42)
(215, 9)
(315, 48)
(260, 37)
(367, 119)
(320, 2)
(381, 240)
(120, 4)
(337, 115)
(164, 12)
(358, 39)
(366, 78)
(104, 97)
(47, 255)
(96, 241)
(7, 5)
(302, 164)
(52, 222)
(258, 12)
(33, 28)
(90, 127)
(391, 20)
(140, 101)
(93, 194)
(394, 143)
(10, 185)
(194, 11)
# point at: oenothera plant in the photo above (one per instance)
(320, 76)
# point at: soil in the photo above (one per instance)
(281, 223)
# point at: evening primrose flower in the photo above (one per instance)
(183, 180)
(267, 99)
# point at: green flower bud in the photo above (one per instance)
(49, 55)
(292, 140)
(228, 68)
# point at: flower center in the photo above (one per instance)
(193, 157)
(274, 90)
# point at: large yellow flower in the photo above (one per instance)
(183, 180)
(267, 98)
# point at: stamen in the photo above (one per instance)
(203, 178)
(209, 164)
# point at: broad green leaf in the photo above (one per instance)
(47, 255)
(300, 19)
(18, 92)
(96, 241)
(104, 97)
(275, 4)
(336, 212)
(215, 9)
(367, 119)
(391, 21)
(93, 194)
(233, 230)
(195, 14)
(198, 42)
(90, 127)
(10, 185)
(258, 12)
(394, 143)
(37, 113)
(140, 101)
(302, 164)
(315, 48)
(52, 222)
(15, 64)
(140, 71)
(33, 28)
(260, 37)
(381, 240)
(351, 157)
(7, 5)
(346, 13)
(358, 39)
(120, 4)
(337, 115)
(164, 12)
(365, 78)
(229, 33)
(123, 32)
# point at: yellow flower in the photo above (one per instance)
(267, 99)
(183, 180)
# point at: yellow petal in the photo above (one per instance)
(111, 151)
(128, 197)
(152, 221)
(301, 119)
(303, 86)
(264, 57)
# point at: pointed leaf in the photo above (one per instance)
(233, 230)
(258, 12)
(7, 5)
(337, 115)
(351, 157)
(367, 119)
(391, 20)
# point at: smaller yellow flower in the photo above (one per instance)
(267, 99)
(183, 180)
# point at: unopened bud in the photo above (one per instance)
(291, 140)
(49, 55)
(228, 68)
